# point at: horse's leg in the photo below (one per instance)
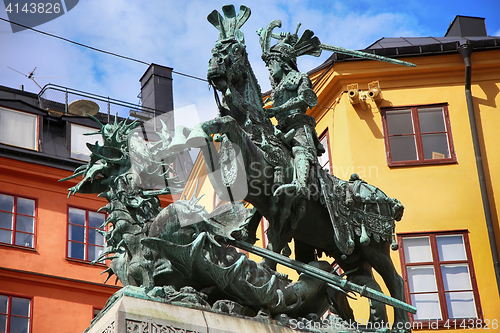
(229, 126)
(378, 255)
(277, 242)
(364, 277)
(253, 157)
(253, 224)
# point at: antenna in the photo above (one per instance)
(31, 75)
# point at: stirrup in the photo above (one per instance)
(283, 187)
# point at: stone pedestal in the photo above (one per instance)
(130, 314)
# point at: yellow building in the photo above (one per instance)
(410, 134)
(407, 131)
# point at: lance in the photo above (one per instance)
(359, 54)
(334, 280)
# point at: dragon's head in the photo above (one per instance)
(115, 134)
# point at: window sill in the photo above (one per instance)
(85, 262)
(419, 163)
(32, 249)
(466, 323)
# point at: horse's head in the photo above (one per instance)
(228, 69)
(227, 65)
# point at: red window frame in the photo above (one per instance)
(9, 314)
(436, 263)
(420, 160)
(14, 221)
(85, 242)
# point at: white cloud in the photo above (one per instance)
(175, 34)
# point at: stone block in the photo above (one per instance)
(135, 315)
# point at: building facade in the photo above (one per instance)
(408, 130)
(48, 240)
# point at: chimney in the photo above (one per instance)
(467, 26)
(156, 93)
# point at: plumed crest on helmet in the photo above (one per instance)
(229, 25)
(289, 45)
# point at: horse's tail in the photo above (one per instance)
(397, 209)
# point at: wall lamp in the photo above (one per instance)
(356, 96)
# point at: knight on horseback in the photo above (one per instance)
(292, 95)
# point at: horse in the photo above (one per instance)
(244, 130)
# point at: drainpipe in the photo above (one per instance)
(465, 51)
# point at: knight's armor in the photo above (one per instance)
(292, 96)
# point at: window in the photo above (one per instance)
(418, 135)
(17, 220)
(264, 226)
(15, 314)
(217, 200)
(439, 276)
(95, 312)
(324, 160)
(84, 240)
(18, 128)
(79, 149)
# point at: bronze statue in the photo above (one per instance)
(181, 251)
(292, 95)
(183, 246)
(351, 221)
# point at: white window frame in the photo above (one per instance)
(77, 130)
(3, 112)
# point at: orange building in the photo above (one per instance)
(47, 241)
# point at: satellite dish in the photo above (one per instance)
(83, 106)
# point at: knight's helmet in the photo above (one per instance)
(289, 46)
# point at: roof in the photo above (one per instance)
(416, 46)
(54, 146)
(388, 43)
(463, 30)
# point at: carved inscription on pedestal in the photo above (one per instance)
(134, 326)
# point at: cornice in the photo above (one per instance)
(51, 281)
(33, 170)
(436, 70)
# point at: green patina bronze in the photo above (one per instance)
(351, 221)
(180, 253)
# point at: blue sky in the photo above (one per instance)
(177, 34)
